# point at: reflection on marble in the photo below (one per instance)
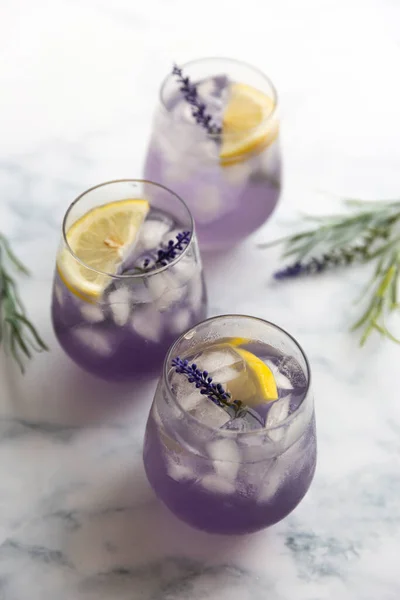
(78, 519)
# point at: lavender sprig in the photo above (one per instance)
(204, 383)
(199, 108)
(337, 257)
(17, 333)
(370, 232)
(170, 252)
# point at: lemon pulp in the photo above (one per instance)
(100, 240)
(262, 375)
(256, 383)
(246, 124)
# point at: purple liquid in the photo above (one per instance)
(261, 492)
(227, 202)
(238, 513)
(131, 343)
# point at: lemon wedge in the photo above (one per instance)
(100, 239)
(263, 375)
(254, 385)
(246, 126)
(238, 341)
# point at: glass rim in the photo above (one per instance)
(228, 432)
(233, 61)
(134, 275)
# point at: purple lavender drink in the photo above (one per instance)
(227, 168)
(236, 457)
(128, 280)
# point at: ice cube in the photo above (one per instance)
(183, 271)
(139, 291)
(92, 313)
(247, 421)
(189, 399)
(207, 149)
(186, 112)
(147, 322)
(281, 380)
(237, 174)
(152, 232)
(216, 484)
(184, 147)
(213, 87)
(170, 297)
(225, 455)
(179, 321)
(173, 138)
(224, 450)
(222, 364)
(171, 235)
(178, 471)
(157, 285)
(178, 148)
(164, 290)
(59, 294)
(98, 342)
(216, 106)
(206, 88)
(214, 92)
(222, 87)
(255, 449)
(271, 482)
(226, 374)
(278, 412)
(214, 360)
(203, 409)
(290, 368)
(120, 302)
(209, 204)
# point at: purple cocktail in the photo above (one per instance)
(238, 453)
(215, 141)
(128, 280)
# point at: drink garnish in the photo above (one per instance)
(247, 127)
(100, 239)
(246, 124)
(167, 252)
(204, 383)
(266, 390)
(199, 108)
(257, 389)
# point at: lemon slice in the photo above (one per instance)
(100, 239)
(259, 387)
(246, 126)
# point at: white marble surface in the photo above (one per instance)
(78, 84)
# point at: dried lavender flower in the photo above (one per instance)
(370, 232)
(199, 108)
(204, 383)
(170, 251)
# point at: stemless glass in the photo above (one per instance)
(230, 195)
(218, 478)
(127, 329)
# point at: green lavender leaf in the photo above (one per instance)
(370, 232)
(18, 336)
